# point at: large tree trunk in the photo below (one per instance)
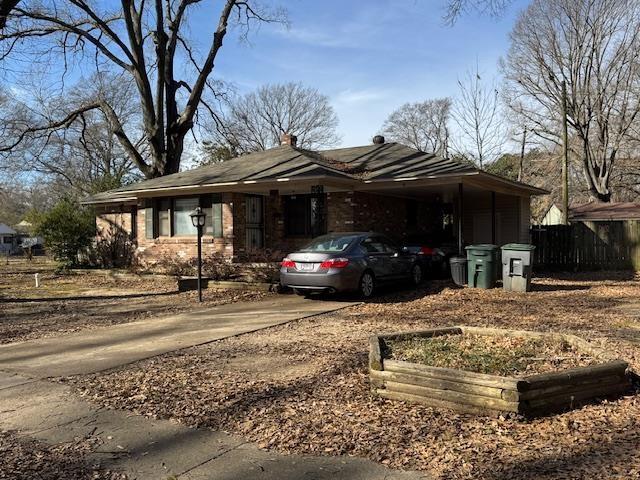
(5, 9)
(597, 174)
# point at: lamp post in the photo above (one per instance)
(197, 219)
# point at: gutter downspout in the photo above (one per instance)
(493, 218)
(460, 218)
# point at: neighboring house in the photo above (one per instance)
(594, 212)
(26, 238)
(8, 239)
(280, 198)
(605, 212)
(553, 216)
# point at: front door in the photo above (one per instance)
(254, 222)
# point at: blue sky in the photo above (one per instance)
(369, 57)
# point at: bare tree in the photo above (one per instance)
(593, 46)
(85, 155)
(476, 112)
(456, 8)
(421, 125)
(256, 120)
(6, 6)
(142, 40)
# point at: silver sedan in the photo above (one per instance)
(348, 262)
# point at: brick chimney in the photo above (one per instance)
(288, 139)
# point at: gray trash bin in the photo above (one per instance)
(517, 260)
(458, 270)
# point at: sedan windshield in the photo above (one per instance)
(329, 243)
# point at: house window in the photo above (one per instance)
(134, 223)
(172, 217)
(212, 206)
(182, 209)
(304, 215)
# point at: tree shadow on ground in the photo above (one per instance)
(85, 297)
(391, 293)
(593, 276)
(616, 453)
(543, 287)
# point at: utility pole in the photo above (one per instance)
(565, 158)
(521, 167)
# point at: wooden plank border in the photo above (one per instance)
(481, 393)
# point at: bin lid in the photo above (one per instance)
(485, 247)
(520, 247)
(458, 259)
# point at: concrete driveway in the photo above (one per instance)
(108, 347)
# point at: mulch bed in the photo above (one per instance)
(70, 303)
(506, 356)
(304, 388)
(25, 459)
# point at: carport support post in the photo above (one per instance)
(493, 217)
(460, 218)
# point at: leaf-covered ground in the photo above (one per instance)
(72, 302)
(303, 387)
(25, 459)
(492, 354)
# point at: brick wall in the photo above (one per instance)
(340, 211)
(345, 211)
(379, 213)
(276, 239)
(110, 220)
(150, 251)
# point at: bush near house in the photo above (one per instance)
(258, 266)
(68, 230)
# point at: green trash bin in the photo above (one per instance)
(482, 270)
(517, 261)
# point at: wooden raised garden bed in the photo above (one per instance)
(482, 393)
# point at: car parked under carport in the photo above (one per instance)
(348, 262)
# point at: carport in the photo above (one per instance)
(477, 206)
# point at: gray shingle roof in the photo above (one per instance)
(388, 161)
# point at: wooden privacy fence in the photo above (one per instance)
(611, 245)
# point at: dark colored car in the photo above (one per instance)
(433, 260)
(348, 262)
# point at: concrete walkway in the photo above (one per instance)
(113, 346)
(144, 448)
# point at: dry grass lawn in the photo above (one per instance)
(303, 387)
(72, 302)
(491, 354)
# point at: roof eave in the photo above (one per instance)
(223, 186)
(525, 186)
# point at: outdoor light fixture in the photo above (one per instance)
(198, 218)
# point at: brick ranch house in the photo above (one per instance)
(280, 198)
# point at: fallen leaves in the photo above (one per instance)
(303, 387)
(25, 459)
